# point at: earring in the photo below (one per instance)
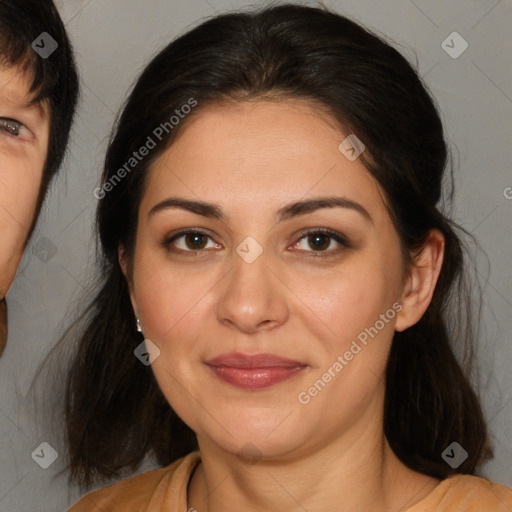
(139, 327)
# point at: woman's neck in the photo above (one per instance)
(3, 325)
(361, 474)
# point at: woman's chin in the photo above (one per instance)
(268, 440)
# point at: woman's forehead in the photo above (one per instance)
(229, 163)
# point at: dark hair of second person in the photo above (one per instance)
(38, 98)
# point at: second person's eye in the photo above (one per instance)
(14, 128)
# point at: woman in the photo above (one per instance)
(269, 226)
(38, 96)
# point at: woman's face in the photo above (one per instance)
(257, 284)
(24, 133)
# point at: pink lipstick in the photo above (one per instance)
(254, 371)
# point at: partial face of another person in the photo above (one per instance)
(300, 284)
(24, 135)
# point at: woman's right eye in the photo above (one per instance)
(14, 128)
(193, 242)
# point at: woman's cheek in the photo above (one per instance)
(165, 302)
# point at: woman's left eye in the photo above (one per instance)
(14, 128)
(194, 242)
(322, 239)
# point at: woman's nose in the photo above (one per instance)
(252, 296)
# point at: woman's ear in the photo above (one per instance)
(125, 267)
(421, 282)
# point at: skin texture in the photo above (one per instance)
(22, 158)
(252, 159)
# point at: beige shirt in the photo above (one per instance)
(165, 490)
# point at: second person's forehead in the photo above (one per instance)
(14, 82)
(15, 92)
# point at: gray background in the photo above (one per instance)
(113, 40)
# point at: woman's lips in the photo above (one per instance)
(254, 371)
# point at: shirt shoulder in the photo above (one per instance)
(466, 493)
(139, 493)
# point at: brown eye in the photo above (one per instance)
(188, 242)
(10, 126)
(195, 241)
(320, 241)
(14, 128)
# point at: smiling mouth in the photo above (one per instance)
(254, 371)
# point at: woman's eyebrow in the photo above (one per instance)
(289, 211)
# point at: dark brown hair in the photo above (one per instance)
(115, 412)
(53, 79)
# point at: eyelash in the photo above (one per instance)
(6, 125)
(338, 237)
